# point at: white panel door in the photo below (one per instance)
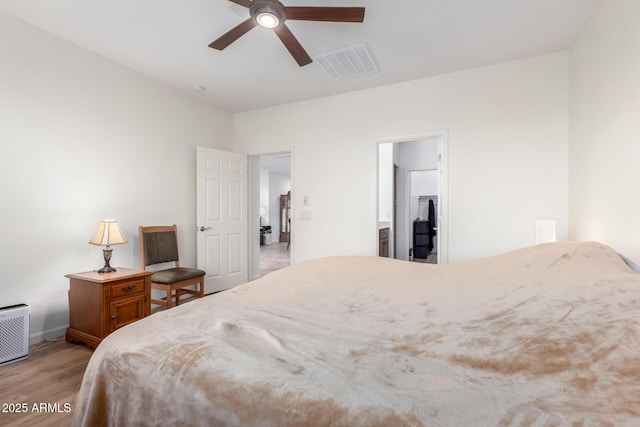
(221, 215)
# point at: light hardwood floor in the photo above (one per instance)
(51, 376)
(47, 381)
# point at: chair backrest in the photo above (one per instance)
(158, 244)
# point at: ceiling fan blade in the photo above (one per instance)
(329, 14)
(293, 45)
(234, 34)
(245, 3)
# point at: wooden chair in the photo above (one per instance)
(159, 244)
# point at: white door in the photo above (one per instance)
(221, 215)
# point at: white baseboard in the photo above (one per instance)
(37, 337)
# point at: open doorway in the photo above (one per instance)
(273, 203)
(412, 198)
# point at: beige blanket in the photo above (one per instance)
(547, 335)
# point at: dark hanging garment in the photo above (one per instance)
(432, 215)
(432, 223)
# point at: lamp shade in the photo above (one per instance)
(108, 234)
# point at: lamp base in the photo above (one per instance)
(106, 252)
(107, 269)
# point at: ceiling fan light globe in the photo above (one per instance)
(267, 19)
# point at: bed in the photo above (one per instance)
(545, 335)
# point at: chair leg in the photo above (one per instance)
(200, 288)
(169, 297)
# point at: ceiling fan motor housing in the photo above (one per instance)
(272, 14)
(271, 7)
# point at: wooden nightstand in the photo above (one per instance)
(100, 303)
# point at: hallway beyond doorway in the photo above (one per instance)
(273, 257)
(271, 181)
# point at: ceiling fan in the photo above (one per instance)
(273, 14)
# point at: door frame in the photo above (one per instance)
(253, 206)
(443, 199)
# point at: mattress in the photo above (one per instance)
(544, 335)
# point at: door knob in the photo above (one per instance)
(202, 228)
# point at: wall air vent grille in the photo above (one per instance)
(14, 333)
(351, 61)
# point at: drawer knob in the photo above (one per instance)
(128, 288)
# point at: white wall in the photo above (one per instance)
(422, 183)
(508, 143)
(83, 139)
(385, 182)
(264, 196)
(605, 128)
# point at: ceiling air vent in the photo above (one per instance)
(348, 62)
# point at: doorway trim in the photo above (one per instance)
(443, 168)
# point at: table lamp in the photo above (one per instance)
(108, 234)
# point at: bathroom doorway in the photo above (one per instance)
(412, 175)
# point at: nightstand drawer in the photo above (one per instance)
(127, 288)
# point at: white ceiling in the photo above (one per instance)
(277, 162)
(168, 41)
